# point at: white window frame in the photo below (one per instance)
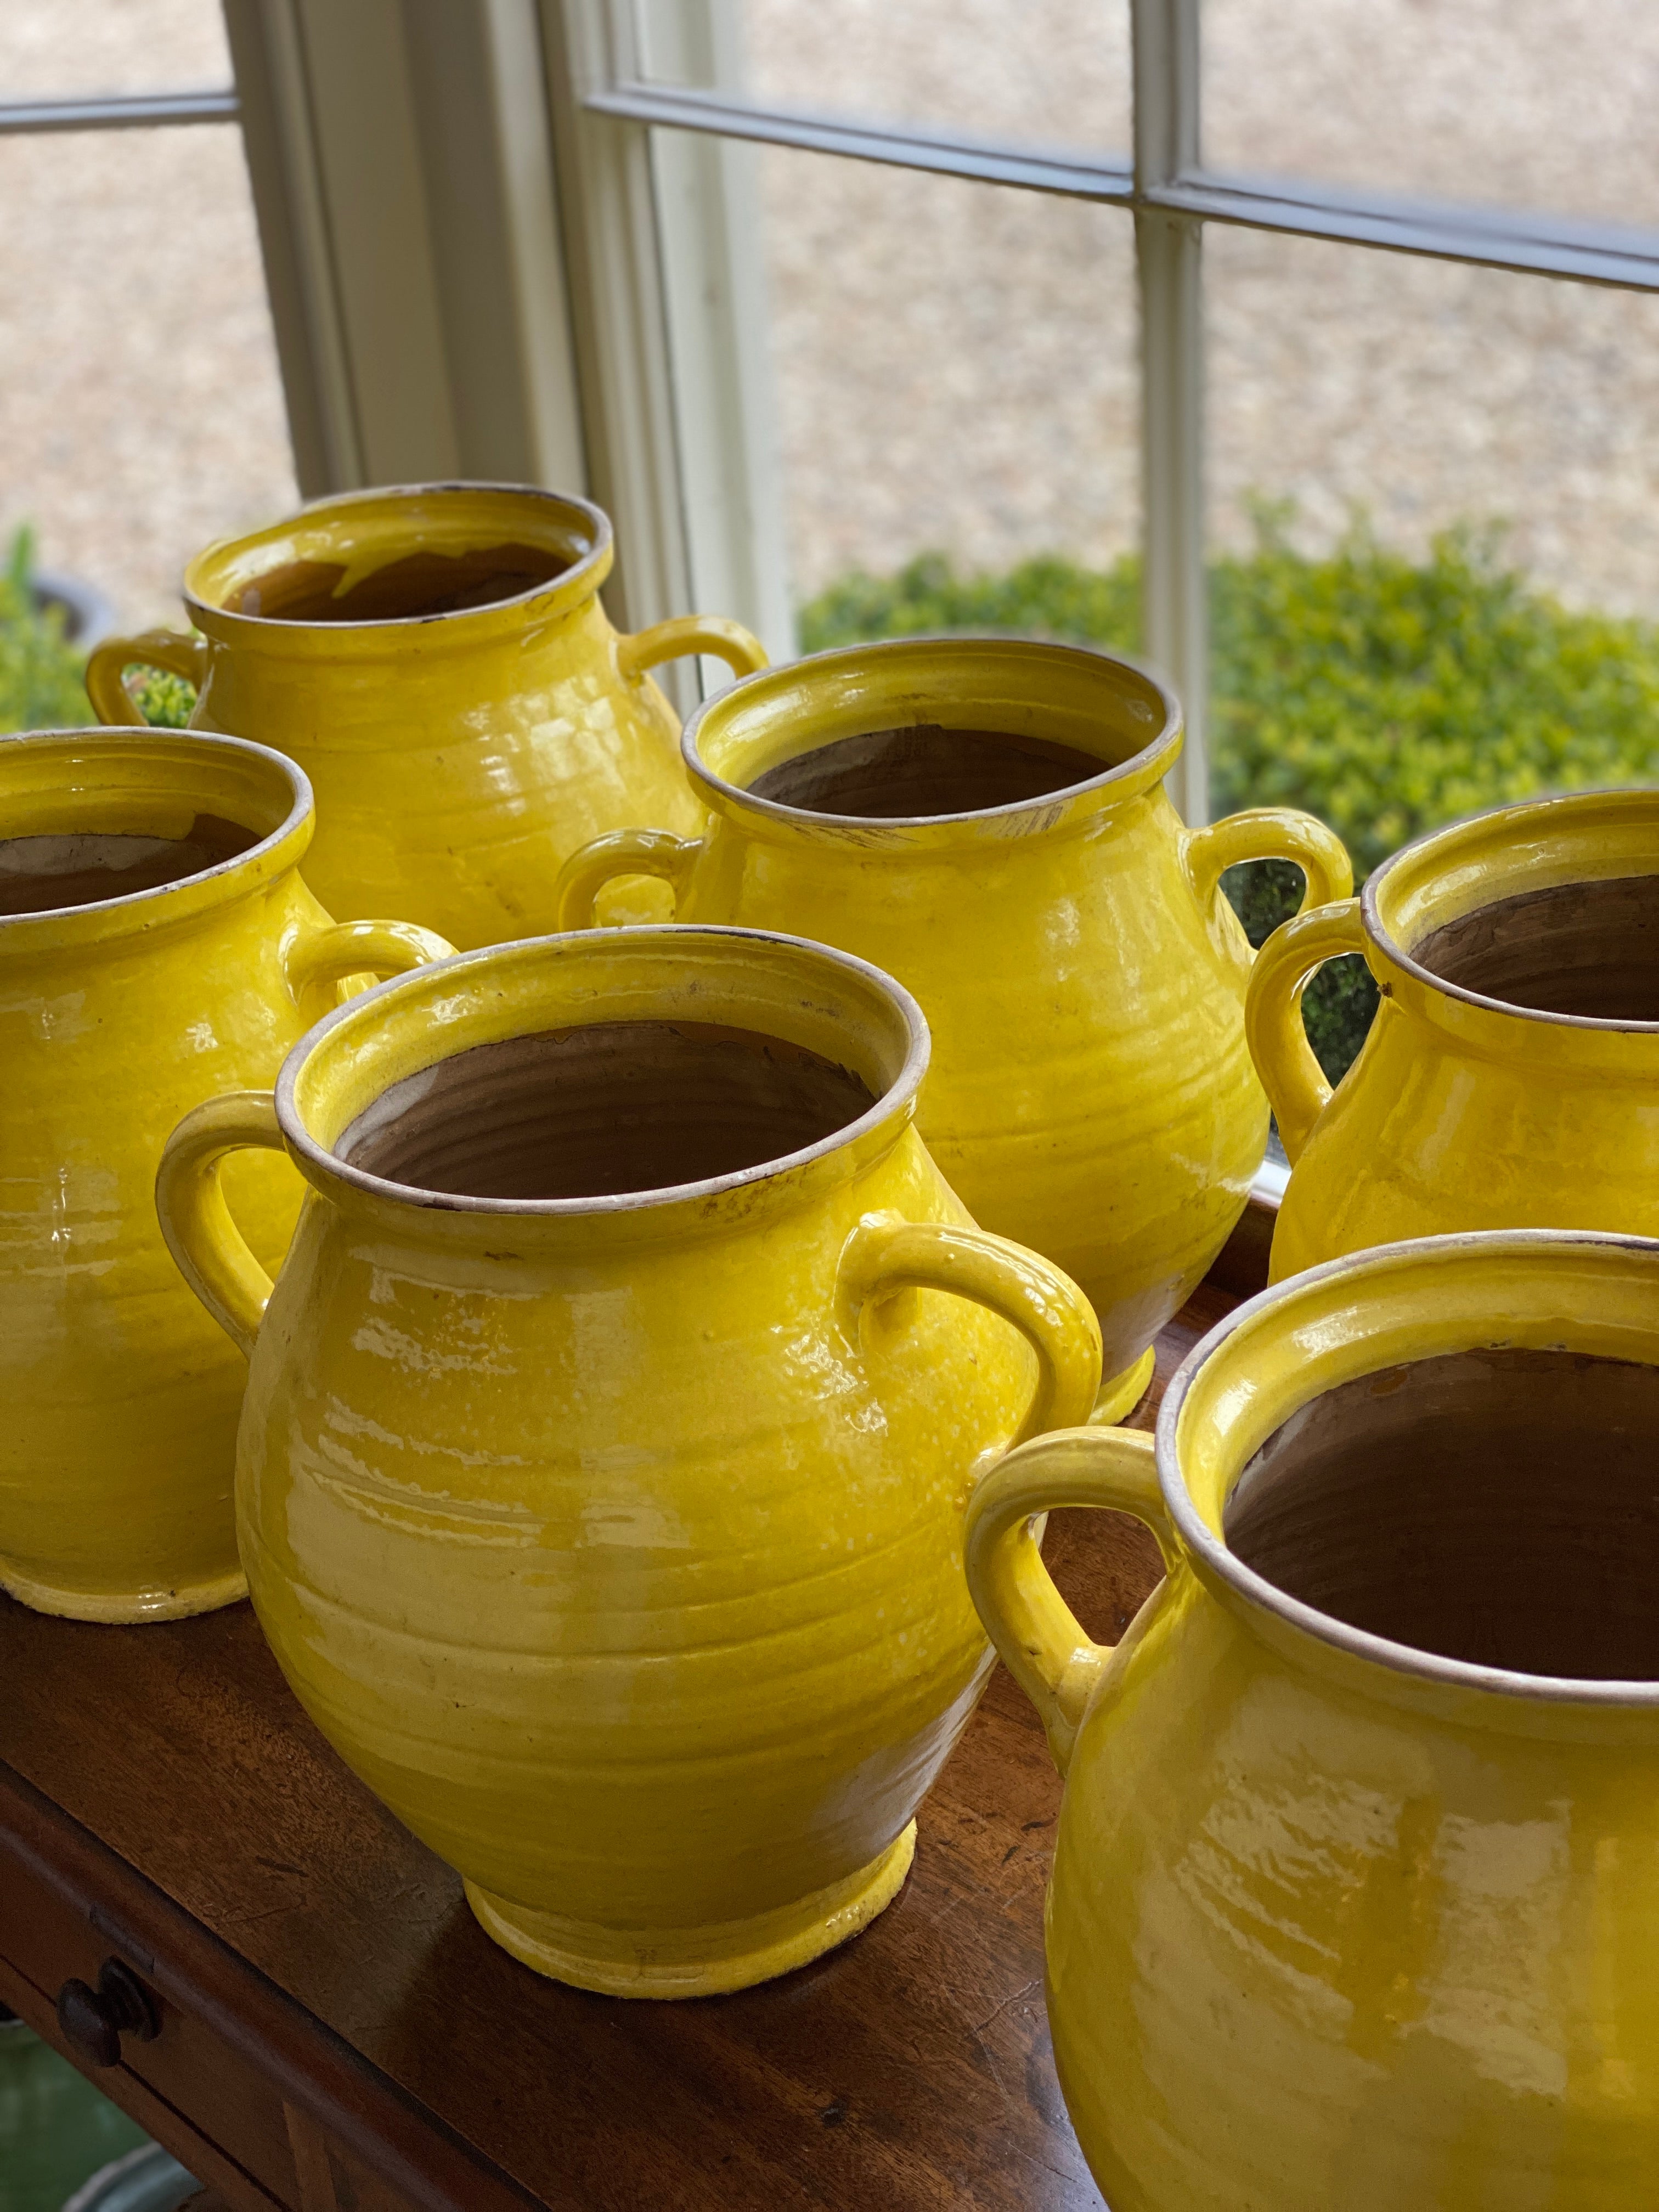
(495, 248)
(1172, 196)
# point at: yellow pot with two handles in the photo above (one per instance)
(157, 946)
(1353, 1901)
(608, 1427)
(987, 819)
(1511, 1079)
(437, 659)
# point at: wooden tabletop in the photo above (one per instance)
(168, 1770)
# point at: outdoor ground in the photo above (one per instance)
(954, 364)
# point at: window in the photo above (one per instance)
(141, 411)
(1334, 397)
(1344, 371)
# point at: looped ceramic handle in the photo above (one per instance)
(884, 1256)
(1270, 833)
(212, 1253)
(1040, 1639)
(345, 949)
(740, 649)
(657, 853)
(1292, 1078)
(179, 652)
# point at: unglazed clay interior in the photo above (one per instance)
(925, 770)
(1589, 949)
(44, 874)
(602, 1110)
(1500, 1507)
(418, 583)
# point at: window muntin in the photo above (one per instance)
(1052, 73)
(88, 49)
(1522, 104)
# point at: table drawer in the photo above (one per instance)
(185, 2086)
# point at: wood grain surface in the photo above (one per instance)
(162, 1781)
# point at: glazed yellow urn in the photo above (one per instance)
(609, 1428)
(1353, 1906)
(1511, 1079)
(437, 659)
(157, 946)
(988, 818)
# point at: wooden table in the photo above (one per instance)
(336, 2034)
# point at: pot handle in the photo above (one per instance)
(657, 853)
(345, 949)
(885, 1256)
(740, 649)
(211, 1251)
(1039, 1637)
(179, 652)
(1292, 1078)
(1270, 833)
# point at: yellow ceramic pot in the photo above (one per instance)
(437, 660)
(1511, 1077)
(600, 1486)
(1352, 1907)
(156, 945)
(1083, 976)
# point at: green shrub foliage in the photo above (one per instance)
(1384, 695)
(165, 700)
(39, 671)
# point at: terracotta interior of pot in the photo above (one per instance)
(45, 873)
(1588, 948)
(408, 586)
(925, 770)
(1500, 1507)
(603, 1110)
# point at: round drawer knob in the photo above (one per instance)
(95, 2021)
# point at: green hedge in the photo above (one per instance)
(1386, 696)
(40, 686)
(42, 672)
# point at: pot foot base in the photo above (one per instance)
(123, 1609)
(696, 1962)
(1120, 1395)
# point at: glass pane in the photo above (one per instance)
(1038, 72)
(1434, 495)
(75, 49)
(957, 399)
(140, 408)
(1529, 104)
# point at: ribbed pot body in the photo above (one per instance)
(121, 1397)
(1330, 1925)
(1090, 1094)
(457, 758)
(1465, 1112)
(609, 1544)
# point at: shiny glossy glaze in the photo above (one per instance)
(437, 660)
(614, 1537)
(1509, 1077)
(120, 1009)
(1334, 1920)
(1091, 1093)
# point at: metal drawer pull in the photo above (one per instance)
(95, 2021)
